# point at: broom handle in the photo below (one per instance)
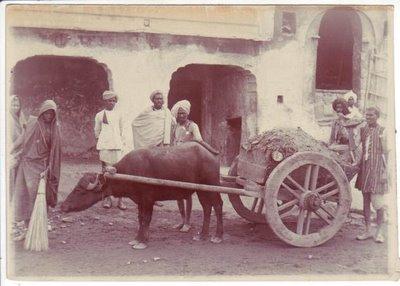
(42, 191)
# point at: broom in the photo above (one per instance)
(36, 236)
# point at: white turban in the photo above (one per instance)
(183, 104)
(154, 93)
(108, 94)
(349, 95)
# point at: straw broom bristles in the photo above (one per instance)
(36, 236)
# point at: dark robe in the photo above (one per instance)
(41, 151)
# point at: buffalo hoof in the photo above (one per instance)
(178, 226)
(133, 242)
(185, 228)
(216, 239)
(122, 206)
(199, 237)
(140, 246)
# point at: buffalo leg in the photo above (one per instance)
(207, 206)
(140, 221)
(181, 207)
(140, 234)
(188, 211)
(145, 214)
(148, 213)
(217, 204)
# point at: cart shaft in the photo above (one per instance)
(184, 185)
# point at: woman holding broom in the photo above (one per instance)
(40, 158)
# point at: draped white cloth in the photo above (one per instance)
(152, 128)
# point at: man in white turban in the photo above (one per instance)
(185, 130)
(351, 99)
(108, 132)
(153, 126)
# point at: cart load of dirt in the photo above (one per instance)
(257, 153)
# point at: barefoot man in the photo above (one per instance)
(185, 130)
(372, 178)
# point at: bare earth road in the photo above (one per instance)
(95, 246)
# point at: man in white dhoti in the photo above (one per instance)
(108, 132)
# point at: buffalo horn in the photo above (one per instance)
(93, 185)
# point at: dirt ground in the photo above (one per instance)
(94, 245)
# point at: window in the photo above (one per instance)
(288, 23)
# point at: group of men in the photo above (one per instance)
(155, 126)
(368, 149)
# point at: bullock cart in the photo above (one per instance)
(300, 189)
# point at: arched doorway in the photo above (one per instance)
(338, 63)
(75, 84)
(224, 104)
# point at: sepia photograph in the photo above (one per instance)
(199, 142)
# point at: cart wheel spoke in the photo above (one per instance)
(329, 194)
(326, 210)
(295, 183)
(300, 221)
(321, 216)
(293, 192)
(289, 213)
(288, 205)
(308, 222)
(314, 177)
(253, 206)
(324, 187)
(307, 177)
(260, 206)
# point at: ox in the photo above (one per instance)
(193, 162)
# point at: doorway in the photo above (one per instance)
(76, 85)
(338, 64)
(223, 104)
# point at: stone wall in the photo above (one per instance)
(138, 63)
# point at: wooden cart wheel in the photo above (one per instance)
(317, 187)
(251, 209)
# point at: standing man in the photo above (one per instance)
(372, 177)
(40, 157)
(185, 130)
(108, 132)
(153, 126)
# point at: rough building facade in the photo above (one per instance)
(245, 69)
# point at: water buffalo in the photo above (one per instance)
(190, 162)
